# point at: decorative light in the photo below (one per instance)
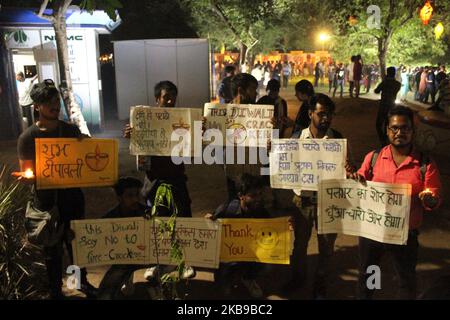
(28, 174)
(426, 12)
(352, 20)
(439, 30)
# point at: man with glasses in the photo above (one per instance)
(399, 162)
(321, 110)
(389, 88)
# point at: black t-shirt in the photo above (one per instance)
(277, 103)
(70, 201)
(25, 145)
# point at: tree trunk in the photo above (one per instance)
(72, 108)
(383, 45)
(242, 54)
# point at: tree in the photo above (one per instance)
(242, 24)
(58, 21)
(398, 21)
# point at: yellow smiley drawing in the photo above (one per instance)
(267, 238)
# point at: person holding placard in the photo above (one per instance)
(321, 110)
(244, 89)
(399, 162)
(161, 171)
(118, 280)
(249, 203)
(63, 204)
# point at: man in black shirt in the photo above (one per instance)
(389, 88)
(304, 91)
(225, 94)
(69, 203)
(161, 169)
(280, 105)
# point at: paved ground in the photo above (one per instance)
(355, 118)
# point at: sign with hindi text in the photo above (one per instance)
(69, 163)
(140, 241)
(163, 131)
(199, 239)
(377, 211)
(302, 164)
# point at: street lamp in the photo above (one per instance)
(323, 37)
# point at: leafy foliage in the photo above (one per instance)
(20, 266)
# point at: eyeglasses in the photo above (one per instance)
(49, 83)
(405, 129)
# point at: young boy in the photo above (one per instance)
(248, 204)
(118, 280)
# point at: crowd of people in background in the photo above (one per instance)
(428, 84)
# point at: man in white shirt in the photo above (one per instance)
(24, 88)
(321, 112)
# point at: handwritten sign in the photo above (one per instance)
(260, 240)
(240, 124)
(378, 211)
(69, 163)
(302, 164)
(199, 239)
(140, 241)
(163, 131)
(109, 241)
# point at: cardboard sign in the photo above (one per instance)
(259, 240)
(69, 162)
(377, 211)
(164, 131)
(302, 164)
(246, 125)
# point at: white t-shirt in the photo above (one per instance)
(24, 89)
(350, 71)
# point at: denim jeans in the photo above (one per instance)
(404, 259)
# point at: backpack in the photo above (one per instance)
(424, 162)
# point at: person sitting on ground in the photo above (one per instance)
(249, 203)
(118, 280)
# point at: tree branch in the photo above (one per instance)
(41, 13)
(252, 45)
(66, 5)
(216, 8)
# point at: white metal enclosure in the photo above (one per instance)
(140, 64)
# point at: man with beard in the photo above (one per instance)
(399, 162)
(248, 204)
(321, 112)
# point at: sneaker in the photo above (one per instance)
(253, 288)
(151, 273)
(188, 273)
(127, 288)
